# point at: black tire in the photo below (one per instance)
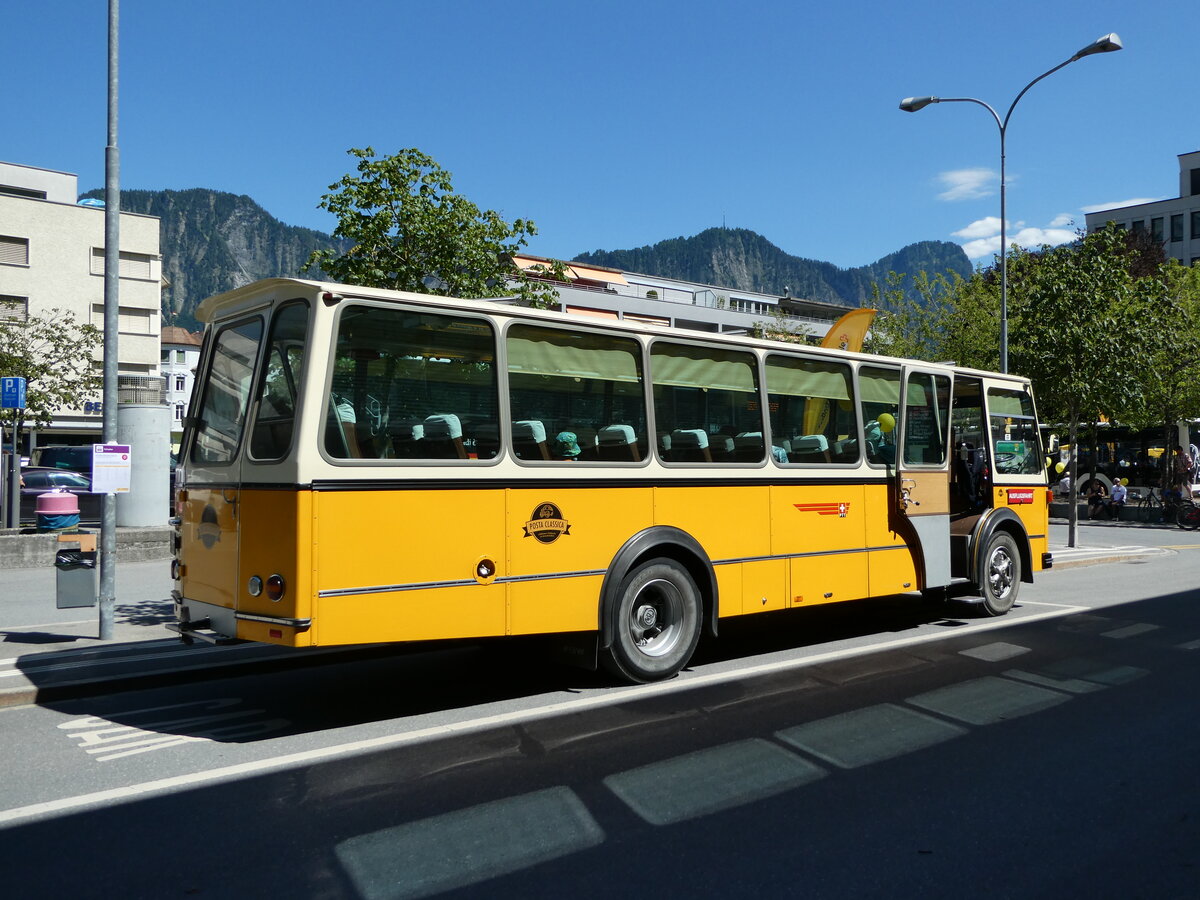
(999, 575)
(657, 622)
(1188, 516)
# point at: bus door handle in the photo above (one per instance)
(231, 497)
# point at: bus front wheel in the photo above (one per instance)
(1000, 574)
(657, 622)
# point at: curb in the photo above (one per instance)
(188, 673)
(1107, 556)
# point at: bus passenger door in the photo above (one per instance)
(923, 472)
(210, 515)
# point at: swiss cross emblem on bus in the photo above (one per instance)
(1017, 498)
(546, 523)
(825, 509)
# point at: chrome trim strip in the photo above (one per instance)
(586, 573)
(274, 620)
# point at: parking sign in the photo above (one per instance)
(12, 393)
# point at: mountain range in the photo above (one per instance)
(213, 241)
(742, 259)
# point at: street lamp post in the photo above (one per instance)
(1106, 44)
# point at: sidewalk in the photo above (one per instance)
(63, 659)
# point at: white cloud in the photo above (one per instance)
(1062, 220)
(981, 228)
(1117, 204)
(984, 236)
(967, 184)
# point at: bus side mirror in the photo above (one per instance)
(1052, 444)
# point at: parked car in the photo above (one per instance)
(38, 480)
(62, 456)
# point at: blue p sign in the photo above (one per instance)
(12, 394)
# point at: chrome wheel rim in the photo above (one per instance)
(1000, 573)
(655, 618)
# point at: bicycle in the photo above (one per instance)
(1181, 510)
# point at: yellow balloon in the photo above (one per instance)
(1058, 467)
(887, 422)
(1125, 482)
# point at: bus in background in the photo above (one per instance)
(368, 466)
(1138, 457)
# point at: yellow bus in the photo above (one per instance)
(365, 465)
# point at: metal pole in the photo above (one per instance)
(1105, 44)
(112, 281)
(1003, 261)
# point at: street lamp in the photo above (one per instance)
(1106, 44)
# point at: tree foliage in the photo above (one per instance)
(411, 232)
(1104, 326)
(53, 354)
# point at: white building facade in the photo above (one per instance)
(1174, 223)
(52, 258)
(180, 356)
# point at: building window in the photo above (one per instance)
(1195, 182)
(178, 412)
(14, 309)
(1156, 229)
(132, 265)
(1177, 227)
(14, 251)
(1139, 225)
(1195, 224)
(27, 193)
(180, 382)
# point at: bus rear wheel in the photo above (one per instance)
(657, 622)
(1000, 574)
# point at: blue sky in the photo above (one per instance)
(618, 124)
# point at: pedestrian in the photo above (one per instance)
(1097, 499)
(1119, 495)
(1064, 485)
(1181, 472)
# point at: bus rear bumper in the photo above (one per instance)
(203, 621)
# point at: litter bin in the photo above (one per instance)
(76, 578)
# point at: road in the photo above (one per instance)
(873, 749)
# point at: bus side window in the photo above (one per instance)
(410, 386)
(704, 397)
(574, 396)
(812, 410)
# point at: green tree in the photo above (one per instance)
(411, 232)
(1168, 363)
(54, 355)
(1080, 323)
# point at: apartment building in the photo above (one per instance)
(1175, 223)
(614, 294)
(52, 258)
(180, 356)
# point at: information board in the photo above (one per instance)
(111, 467)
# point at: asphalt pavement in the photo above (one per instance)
(59, 654)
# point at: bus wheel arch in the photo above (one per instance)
(1005, 520)
(667, 573)
(1002, 561)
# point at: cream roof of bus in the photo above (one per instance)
(252, 295)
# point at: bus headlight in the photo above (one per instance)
(276, 587)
